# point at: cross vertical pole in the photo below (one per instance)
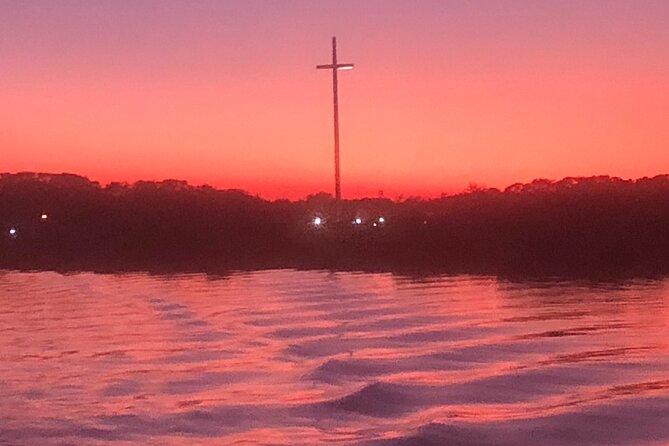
(336, 121)
(336, 66)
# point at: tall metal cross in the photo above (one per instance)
(334, 66)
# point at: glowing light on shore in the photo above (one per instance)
(12, 232)
(44, 216)
(317, 221)
(357, 221)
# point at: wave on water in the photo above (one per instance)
(380, 399)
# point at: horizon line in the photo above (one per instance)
(472, 187)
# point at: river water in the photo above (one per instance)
(302, 358)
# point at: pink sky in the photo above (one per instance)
(443, 93)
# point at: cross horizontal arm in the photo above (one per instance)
(339, 66)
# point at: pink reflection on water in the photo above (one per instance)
(291, 357)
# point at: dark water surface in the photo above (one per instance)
(301, 358)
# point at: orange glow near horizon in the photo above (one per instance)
(442, 95)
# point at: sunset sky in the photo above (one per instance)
(443, 93)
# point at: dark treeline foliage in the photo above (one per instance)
(576, 226)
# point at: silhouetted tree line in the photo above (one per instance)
(575, 226)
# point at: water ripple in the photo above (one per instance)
(301, 358)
